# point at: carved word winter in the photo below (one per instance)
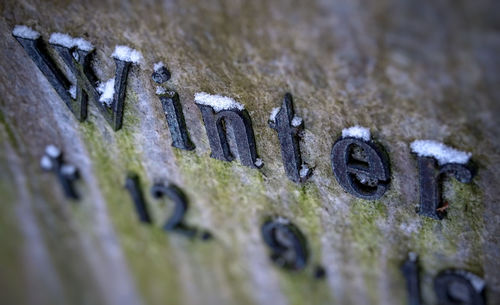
(359, 163)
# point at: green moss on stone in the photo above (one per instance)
(367, 240)
(8, 130)
(301, 287)
(11, 279)
(454, 242)
(205, 178)
(146, 247)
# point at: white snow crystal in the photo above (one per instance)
(274, 113)
(160, 90)
(68, 170)
(52, 151)
(412, 256)
(125, 53)
(157, 66)
(304, 171)
(46, 163)
(475, 280)
(259, 162)
(296, 121)
(107, 90)
(409, 228)
(72, 91)
(439, 151)
(357, 132)
(282, 220)
(217, 102)
(25, 32)
(69, 42)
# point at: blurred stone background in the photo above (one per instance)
(406, 69)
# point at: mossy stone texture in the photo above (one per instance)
(408, 70)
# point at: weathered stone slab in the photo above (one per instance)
(406, 70)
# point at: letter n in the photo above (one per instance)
(217, 125)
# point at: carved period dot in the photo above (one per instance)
(161, 75)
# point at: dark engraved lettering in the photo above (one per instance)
(430, 178)
(288, 245)
(410, 272)
(454, 287)
(319, 272)
(78, 62)
(132, 184)
(38, 53)
(161, 75)
(176, 222)
(53, 161)
(287, 125)
(216, 125)
(361, 167)
(175, 120)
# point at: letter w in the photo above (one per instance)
(76, 54)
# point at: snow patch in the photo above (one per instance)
(413, 256)
(157, 66)
(23, 31)
(125, 53)
(68, 170)
(52, 151)
(304, 171)
(274, 113)
(160, 90)
(72, 91)
(439, 151)
(69, 42)
(357, 132)
(217, 102)
(476, 281)
(282, 220)
(409, 228)
(46, 163)
(107, 91)
(296, 121)
(259, 162)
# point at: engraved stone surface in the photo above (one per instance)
(407, 70)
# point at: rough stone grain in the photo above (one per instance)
(408, 70)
